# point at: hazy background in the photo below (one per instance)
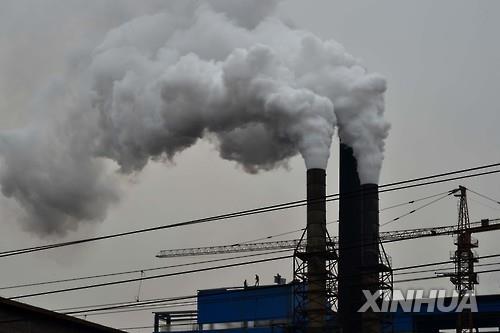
(442, 62)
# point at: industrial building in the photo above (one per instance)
(330, 275)
(16, 317)
(269, 309)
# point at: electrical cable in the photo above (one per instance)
(192, 263)
(276, 235)
(149, 307)
(336, 221)
(425, 265)
(28, 250)
(445, 269)
(174, 299)
(136, 279)
(412, 201)
(484, 196)
(142, 308)
(195, 296)
(130, 304)
(484, 204)
(135, 328)
(138, 270)
(150, 277)
(216, 260)
(90, 307)
(440, 263)
(261, 209)
(385, 241)
(212, 268)
(442, 276)
(417, 209)
(143, 269)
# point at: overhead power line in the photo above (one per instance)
(382, 189)
(84, 308)
(193, 263)
(182, 304)
(151, 277)
(484, 204)
(143, 270)
(180, 298)
(141, 308)
(136, 328)
(193, 303)
(202, 270)
(105, 307)
(155, 301)
(34, 284)
(445, 269)
(417, 209)
(442, 276)
(411, 202)
(484, 196)
(440, 263)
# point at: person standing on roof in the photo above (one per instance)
(256, 280)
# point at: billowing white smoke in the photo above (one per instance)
(362, 125)
(259, 89)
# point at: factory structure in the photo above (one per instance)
(17, 317)
(334, 278)
(332, 275)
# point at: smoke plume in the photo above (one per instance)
(260, 90)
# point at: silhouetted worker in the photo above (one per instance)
(245, 284)
(256, 280)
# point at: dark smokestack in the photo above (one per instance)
(370, 252)
(350, 230)
(358, 246)
(316, 250)
(370, 226)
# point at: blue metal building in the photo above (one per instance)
(253, 309)
(488, 316)
(269, 309)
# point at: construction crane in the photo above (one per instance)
(464, 278)
(385, 237)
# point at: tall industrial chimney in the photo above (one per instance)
(350, 297)
(358, 246)
(370, 267)
(316, 251)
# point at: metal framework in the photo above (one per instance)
(385, 237)
(464, 278)
(167, 321)
(300, 260)
(300, 291)
(235, 248)
(386, 287)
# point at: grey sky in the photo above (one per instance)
(442, 62)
